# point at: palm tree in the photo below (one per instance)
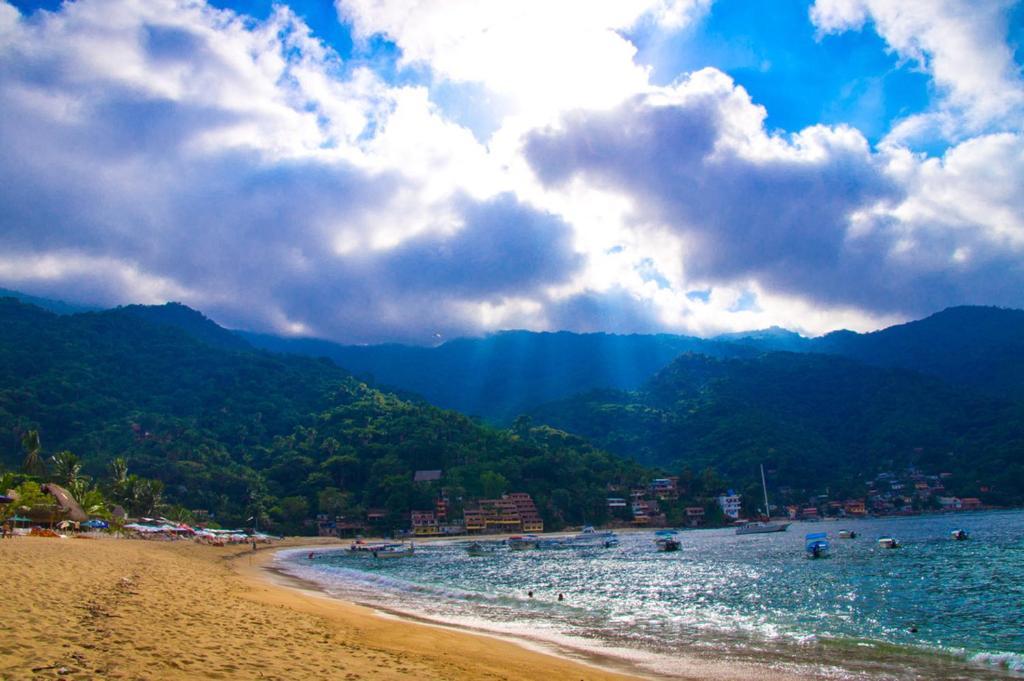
(89, 498)
(118, 471)
(146, 495)
(34, 463)
(67, 468)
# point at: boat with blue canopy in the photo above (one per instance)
(816, 545)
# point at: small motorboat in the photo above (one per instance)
(667, 544)
(522, 542)
(360, 546)
(816, 545)
(762, 527)
(587, 539)
(847, 534)
(959, 535)
(477, 549)
(889, 543)
(394, 551)
(591, 537)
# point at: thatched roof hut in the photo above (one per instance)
(69, 508)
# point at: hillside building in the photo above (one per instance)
(694, 516)
(514, 512)
(731, 504)
(425, 524)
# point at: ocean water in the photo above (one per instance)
(935, 608)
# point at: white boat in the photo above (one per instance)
(587, 538)
(394, 551)
(591, 537)
(889, 543)
(360, 546)
(763, 526)
(847, 534)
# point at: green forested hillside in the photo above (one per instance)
(818, 421)
(233, 430)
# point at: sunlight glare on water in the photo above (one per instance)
(932, 609)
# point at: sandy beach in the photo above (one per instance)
(122, 609)
(105, 608)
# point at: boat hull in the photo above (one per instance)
(763, 528)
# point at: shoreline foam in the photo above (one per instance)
(884, 660)
(634, 662)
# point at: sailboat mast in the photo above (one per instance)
(764, 488)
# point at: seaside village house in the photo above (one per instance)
(428, 523)
(513, 512)
(730, 503)
(694, 516)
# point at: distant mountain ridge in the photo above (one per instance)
(978, 347)
(192, 322)
(55, 306)
(499, 376)
(975, 346)
(505, 374)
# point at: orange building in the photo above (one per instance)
(513, 512)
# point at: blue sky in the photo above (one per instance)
(386, 170)
(848, 78)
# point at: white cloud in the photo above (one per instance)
(962, 45)
(166, 149)
(811, 220)
(239, 166)
(963, 215)
(543, 57)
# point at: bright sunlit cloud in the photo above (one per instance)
(418, 168)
